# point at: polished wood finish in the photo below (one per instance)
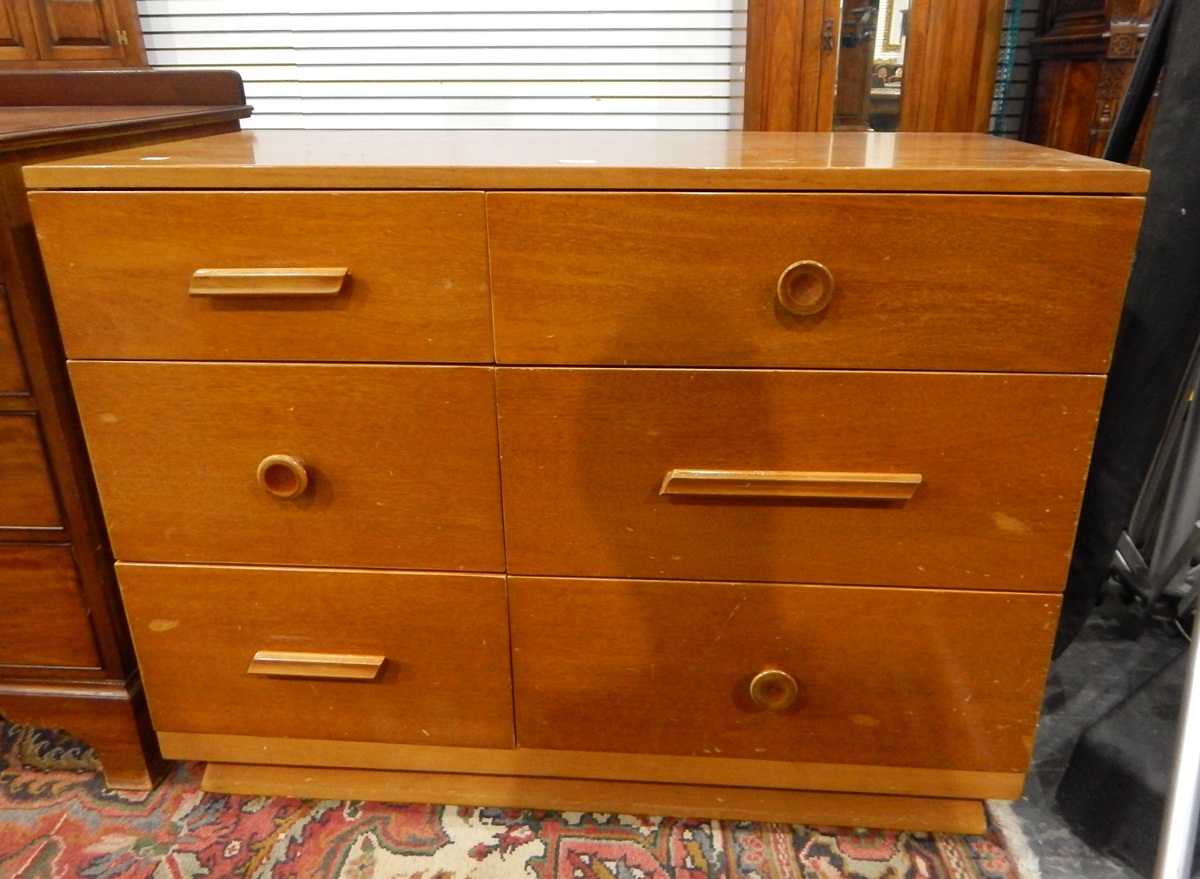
(584, 451)
(805, 288)
(283, 476)
(774, 690)
(64, 646)
(416, 288)
(401, 460)
(523, 762)
(1030, 284)
(64, 34)
(790, 484)
(336, 666)
(26, 493)
(578, 795)
(110, 715)
(677, 678)
(671, 160)
(949, 65)
(39, 585)
(445, 679)
(791, 65)
(268, 282)
(1082, 57)
(669, 690)
(12, 374)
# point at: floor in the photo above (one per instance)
(1108, 660)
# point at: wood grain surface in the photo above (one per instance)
(120, 265)
(577, 795)
(39, 588)
(921, 678)
(685, 160)
(12, 375)
(27, 497)
(1002, 458)
(558, 763)
(401, 460)
(444, 681)
(920, 282)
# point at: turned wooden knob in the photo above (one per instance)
(283, 476)
(774, 690)
(805, 287)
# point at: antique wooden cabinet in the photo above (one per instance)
(1083, 55)
(65, 658)
(63, 34)
(729, 474)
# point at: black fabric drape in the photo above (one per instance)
(1159, 326)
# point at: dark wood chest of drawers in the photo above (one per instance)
(65, 656)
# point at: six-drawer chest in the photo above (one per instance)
(725, 474)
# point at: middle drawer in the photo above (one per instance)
(794, 476)
(400, 463)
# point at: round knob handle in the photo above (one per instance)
(283, 476)
(774, 690)
(805, 287)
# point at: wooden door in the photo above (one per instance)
(85, 30)
(791, 64)
(949, 64)
(18, 41)
(50, 34)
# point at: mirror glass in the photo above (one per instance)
(871, 65)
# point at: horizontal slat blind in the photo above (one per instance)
(464, 63)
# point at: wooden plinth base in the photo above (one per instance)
(588, 795)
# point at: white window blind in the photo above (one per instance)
(660, 64)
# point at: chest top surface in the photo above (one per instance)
(638, 160)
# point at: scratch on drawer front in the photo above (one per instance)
(109, 418)
(163, 625)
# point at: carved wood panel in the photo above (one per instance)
(70, 33)
(1083, 55)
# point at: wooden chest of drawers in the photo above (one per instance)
(725, 474)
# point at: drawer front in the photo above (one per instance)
(121, 267)
(366, 656)
(1016, 283)
(1001, 462)
(891, 677)
(27, 497)
(12, 373)
(401, 463)
(45, 622)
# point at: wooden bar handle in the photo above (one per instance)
(299, 282)
(337, 666)
(791, 484)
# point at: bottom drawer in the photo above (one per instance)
(875, 676)
(323, 654)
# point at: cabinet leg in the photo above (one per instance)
(111, 719)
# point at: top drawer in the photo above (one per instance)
(121, 265)
(942, 282)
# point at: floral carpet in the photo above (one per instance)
(58, 821)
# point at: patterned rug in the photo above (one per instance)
(58, 821)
